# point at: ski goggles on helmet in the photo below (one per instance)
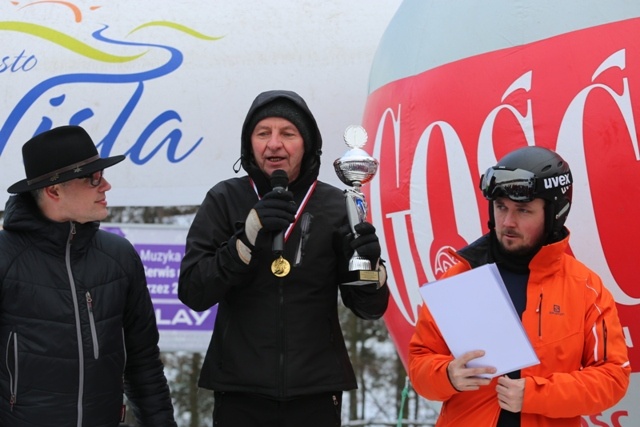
(518, 185)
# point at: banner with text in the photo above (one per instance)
(168, 84)
(161, 248)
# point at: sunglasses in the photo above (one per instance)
(518, 185)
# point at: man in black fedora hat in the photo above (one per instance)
(77, 327)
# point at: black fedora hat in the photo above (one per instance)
(59, 155)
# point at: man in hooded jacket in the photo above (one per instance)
(277, 356)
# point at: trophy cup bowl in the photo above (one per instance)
(355, 168)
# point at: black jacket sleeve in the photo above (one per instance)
(145, 384)
(211, 265)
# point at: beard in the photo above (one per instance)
(522, 252)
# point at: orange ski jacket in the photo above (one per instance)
(572, 322)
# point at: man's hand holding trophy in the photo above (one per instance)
(355, 168)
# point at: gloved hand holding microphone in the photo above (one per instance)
(271, 214)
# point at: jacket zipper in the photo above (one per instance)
(540, 317)
(336, 405)
(13, 378)
(604, 336)
(123, 411)
(92, 323)
(74, 294)
(124, 349)
(305, 223)
(281, 360)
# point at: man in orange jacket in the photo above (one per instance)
(568, 314)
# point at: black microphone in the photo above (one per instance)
(279, 181)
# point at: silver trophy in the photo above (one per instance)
(354, 168)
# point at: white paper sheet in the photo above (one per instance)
(473, 311)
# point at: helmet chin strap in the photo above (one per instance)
(554, 229)
(549, 222)
(492, 220)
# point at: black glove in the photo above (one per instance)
(367, 244)
(274, 212)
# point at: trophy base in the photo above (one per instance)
(363, 277)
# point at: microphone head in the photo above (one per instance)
(279, 179)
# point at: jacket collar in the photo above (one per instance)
(547, 259)
(23, 215)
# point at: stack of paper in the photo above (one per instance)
(473, 311)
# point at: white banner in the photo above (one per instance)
(169, 84)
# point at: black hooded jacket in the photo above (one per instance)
(77, 328)
(279, 337)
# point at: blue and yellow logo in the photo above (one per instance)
(131, 69)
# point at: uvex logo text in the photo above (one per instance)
(557, 181)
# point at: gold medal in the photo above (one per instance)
(280, 267)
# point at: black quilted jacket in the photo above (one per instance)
(77, 327)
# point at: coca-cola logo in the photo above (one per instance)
(435, 133)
